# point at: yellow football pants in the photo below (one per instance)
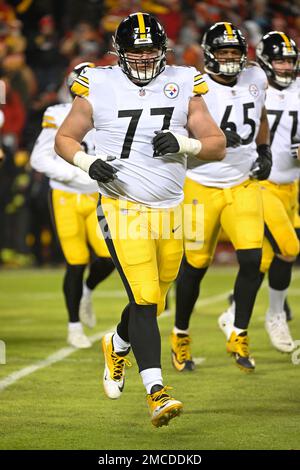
(297, 213)
(75, 219)
(146, 246)
(238, 210)
(280, 208)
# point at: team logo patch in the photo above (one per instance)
(171, 90)
(253, 90)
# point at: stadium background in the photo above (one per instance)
(41, 41)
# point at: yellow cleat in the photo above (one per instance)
(114, 371)
(162, 407)
(181, 352)
(238, 346)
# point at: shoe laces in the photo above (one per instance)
(161, 396)
(119, 363)
(183, 345)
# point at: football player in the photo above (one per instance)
(143, 112)
(228, 190)
(73, 203)
(277, 54)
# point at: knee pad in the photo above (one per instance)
(249, 261)
(148, 293)
(291, 248)
(265, 264)
(197, 260)
(169, 267)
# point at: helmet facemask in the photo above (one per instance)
(272, 49)
(141, 44)
(220, 37)
(229, 67)
(141, 65)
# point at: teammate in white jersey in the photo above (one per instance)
(278, 56)
(143, 112)
(73, 203)
(231, 199)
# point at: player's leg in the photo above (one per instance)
(69, 226)
(242, 219)
(134, 255)
(202, 208)
(287, 308)
(279, 211)
(100, 266)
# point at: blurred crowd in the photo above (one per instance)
(41, 41)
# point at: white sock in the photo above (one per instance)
(75, 326)
(277, 298)
(177, 331)
(151, 377)
(237, 330)
(86, 290)
(119, 344)
(231, 308)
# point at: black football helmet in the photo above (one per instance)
(219, 36)
(276, 45)
(75, 73)
(140, 32)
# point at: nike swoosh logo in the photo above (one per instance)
(176, 228)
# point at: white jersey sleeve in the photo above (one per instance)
(126, 117)
(43, 158)
(237, 108)
(283, 109)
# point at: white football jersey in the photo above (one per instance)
(62, 174)
(283, 108)
(126, 117)
(235, 108)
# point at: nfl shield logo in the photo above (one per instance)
(171, 90)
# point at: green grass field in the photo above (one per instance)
(62, 406)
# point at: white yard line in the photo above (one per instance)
(65, 352)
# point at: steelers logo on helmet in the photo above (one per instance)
(140, 44)
(218, 38)
(274, 49)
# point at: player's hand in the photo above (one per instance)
(233, 139)
(102, 171)
(262, 166)
(294, 149)
(165, 142)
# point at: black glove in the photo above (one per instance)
(232, 139)
(102, 171)
(294, 149)
(164, 142)
(262, 166)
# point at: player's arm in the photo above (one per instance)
(261, 168)
(202, 126)
(43, 158)
(69, 137)
(208, 142)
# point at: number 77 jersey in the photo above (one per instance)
(126, 117)
(237, 108)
